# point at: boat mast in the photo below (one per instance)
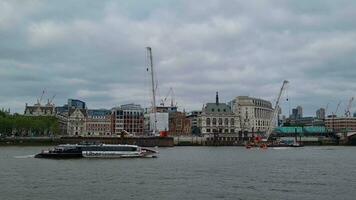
(154, 109)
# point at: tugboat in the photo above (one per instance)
(98, 151)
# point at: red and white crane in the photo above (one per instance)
(275, 111)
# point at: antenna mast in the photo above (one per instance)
(154, 109)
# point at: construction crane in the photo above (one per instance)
(348, 108)
(51, 100)
(337, 108)
(40, 99)
(154, 108)
(170, 93)
(326, 109)
(275, 111)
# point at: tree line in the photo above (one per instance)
(20, 125)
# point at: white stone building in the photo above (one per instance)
(254, 114)
(218, 118)
(40, 110)
(162, 121)
(77, 119)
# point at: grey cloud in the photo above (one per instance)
(95, 50)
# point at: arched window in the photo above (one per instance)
(226, 121)
(220, 121)
(214, 121)
(208, 121)
(232, 122)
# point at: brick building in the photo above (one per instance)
(179, 124)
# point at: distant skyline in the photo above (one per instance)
(95, 51)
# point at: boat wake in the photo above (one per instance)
(26, 156)
(280, 148)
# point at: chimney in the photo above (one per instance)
(217, 98)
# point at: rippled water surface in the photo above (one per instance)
(184, 173)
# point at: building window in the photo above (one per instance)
(232, 122)
(214, 121)
(226, 121)
(232, 130)
(212, 110)
(208, 121)
(208, 130)
(220, 121)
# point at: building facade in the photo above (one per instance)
(297, 113)
(193, 119)
(341, 124)
(128, 118)
(179, 124)
(40, 110)
(218, 118)
(320, 113)
(75, 103)
(162, 122)
(254, 114)
(76, 122)
(305, 121)
(98, 122)
(62, 123)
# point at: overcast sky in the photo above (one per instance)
(95, 51)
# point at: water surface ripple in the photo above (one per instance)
(184, 173)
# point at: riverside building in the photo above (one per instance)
(179, 124)
(217, 118)
(341, 124)
(98, 122)
(254, 114)
(76, 122)
(193, 117)
(128, 118)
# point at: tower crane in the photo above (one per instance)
(51, 100)
(170, 93)
(337, 108)
(40, 99)
(348, 108)
(275, 111)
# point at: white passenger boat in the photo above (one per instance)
(98, 151)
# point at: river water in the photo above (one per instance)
(184, 173)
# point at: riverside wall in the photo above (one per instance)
(156, 141)
(140, 141)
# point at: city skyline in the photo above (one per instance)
(97, 54)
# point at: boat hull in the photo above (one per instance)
(59, 155)
(98, 151)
